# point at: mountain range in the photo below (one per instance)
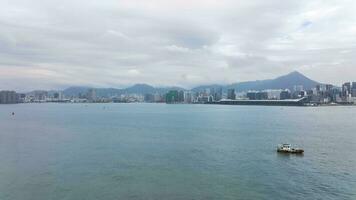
(283, 82)
(109, 92)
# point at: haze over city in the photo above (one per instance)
(55, 44)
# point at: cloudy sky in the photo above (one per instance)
(113, 43)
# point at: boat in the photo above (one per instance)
(287, 148)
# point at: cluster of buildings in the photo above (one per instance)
(9, 97)
(182, 96)
(90, 96)
(321, 94)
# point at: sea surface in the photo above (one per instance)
(175, 152)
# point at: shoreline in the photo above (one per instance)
(237, 103)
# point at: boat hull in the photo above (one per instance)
(294, 151)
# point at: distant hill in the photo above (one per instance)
(75, 91)
(109, 92)
(140, 89)
(283, 82)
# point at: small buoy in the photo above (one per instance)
(13, 113)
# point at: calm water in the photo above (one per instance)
(158, 151)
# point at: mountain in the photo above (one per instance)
(75, 91)
(283, 82)
(102, 92)
(148, 89)
(140, 89)
(110, 92)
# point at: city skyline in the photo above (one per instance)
(53, 45)
(292, 89)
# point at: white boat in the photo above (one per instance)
(287, 148)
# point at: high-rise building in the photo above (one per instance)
(40, 95)
(149, 98)
(328, 87)
(353, 89)
(8, 97)
(218, 94)
(346, 89)
(188, 97)
(318, 89)
(181, 96)
(172, 96)
(91, 95)
(58, 95)
(231, 94)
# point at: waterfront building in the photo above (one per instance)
(231, 94)
(353, 85)
(261, 95)
(353, 92)
(251, 95)
(181, 96)
(353, 89)
(38, 96)
(149, 98)
(273, 94)
(158, 98)
(58, 95)
(285, 95)
(172, 96)
(218, 94)
(210, 98)
(91, 95)
(203, 99)
(317, 89)
(8, 97)
(289, 102)
(212, 91)
(346, 89)
(328, 87)
(22, 98)
(188, 97)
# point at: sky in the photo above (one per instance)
(112, 43)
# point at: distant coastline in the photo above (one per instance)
(293, 89)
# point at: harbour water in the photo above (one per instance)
(178, 152)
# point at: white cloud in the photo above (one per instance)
(50, 44)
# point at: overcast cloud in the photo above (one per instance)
(111, 43)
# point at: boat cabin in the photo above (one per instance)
(286, 147)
